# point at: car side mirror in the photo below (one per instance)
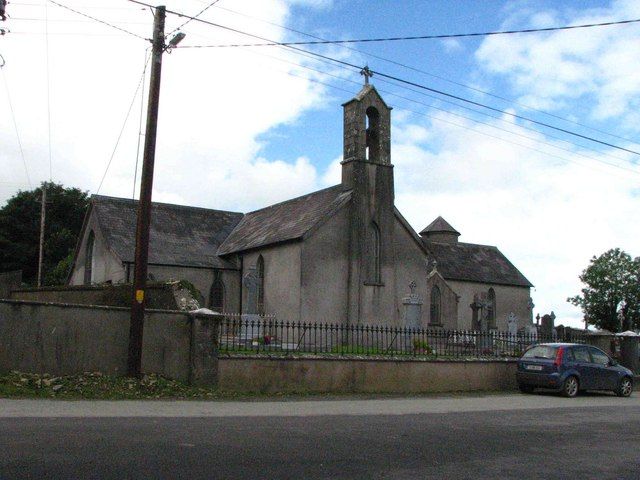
(612, 363)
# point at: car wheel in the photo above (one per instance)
(625, 388)
(525, 388)
(570, 387)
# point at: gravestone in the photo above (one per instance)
(547, 324)
(412, 308)
(251, 325)
(512, 324)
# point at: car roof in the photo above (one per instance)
(559, 344)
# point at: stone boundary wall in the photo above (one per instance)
(9, 281)
(337, 375)
(159, 295)
(64, 339)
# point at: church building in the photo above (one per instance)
(344, 254)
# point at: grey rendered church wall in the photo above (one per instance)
(324, 272)
(508, 299)
(106, 266)
(282, 279)
(202, 279)
(449, 304)
(410, 267)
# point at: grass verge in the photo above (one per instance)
(94, 385)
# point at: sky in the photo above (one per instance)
(244, 127)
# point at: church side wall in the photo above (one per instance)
(448, 304)
(410, 266)
(202, 279)
(282, 279)
(325, 272)
(508, 299)
(106, 265)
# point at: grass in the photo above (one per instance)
(94, 385)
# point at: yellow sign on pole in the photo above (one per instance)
(139, 296)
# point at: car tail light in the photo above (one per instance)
(558, 361)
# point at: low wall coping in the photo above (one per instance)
(92, 307)
(337, 358)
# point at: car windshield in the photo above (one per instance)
(541, 351)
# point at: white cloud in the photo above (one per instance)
(215, 104)
(594, 65)
(546, 215)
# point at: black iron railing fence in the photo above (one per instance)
(255, 334)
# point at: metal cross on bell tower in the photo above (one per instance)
(367, 74)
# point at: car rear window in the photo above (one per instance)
(541, 351)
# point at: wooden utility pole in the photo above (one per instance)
(43, 212)
(144, 205)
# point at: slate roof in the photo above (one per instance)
(285, 221)
(180, 235)
(475, 263)
(439, 225)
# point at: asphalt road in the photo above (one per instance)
(476, 437)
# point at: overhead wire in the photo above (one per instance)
(135, 170)
(13, 116)
(427, 37)
(498, 118)
(439, 77)
(398, 79)
(124, 124)
(465, 127)
(48, 79)
(98, 20)
(457, 115)
(191, 18)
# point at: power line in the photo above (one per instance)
(46, 39)
(476, 131)
(504, 112)
(124, 124)
(409, 67)
(414, 84)
(191, 18)
(426, 37)
(498, 118)
(98, 20)
(135, 170)
(15, 123)
(457, 115)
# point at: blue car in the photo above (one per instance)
(570, 368)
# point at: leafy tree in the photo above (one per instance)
(611, 297)
(20, 231)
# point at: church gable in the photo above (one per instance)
(442, 302)
(290, 220)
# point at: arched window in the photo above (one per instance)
(373, 134)
(216, 296)
(374, 254)
(435, 309)
(88, 259)
(491, 309)
(260, 289)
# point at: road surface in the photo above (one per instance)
(475, 437)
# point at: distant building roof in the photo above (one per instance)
(284, 221)
(475, 263)
(180, 235)
(439, 225)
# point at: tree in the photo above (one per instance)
(611, 297)
(20, 231)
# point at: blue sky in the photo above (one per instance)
(241, 128)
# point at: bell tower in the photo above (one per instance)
(367, 171)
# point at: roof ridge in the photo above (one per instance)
(293, 199)
(439, 225)
(163, 204)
